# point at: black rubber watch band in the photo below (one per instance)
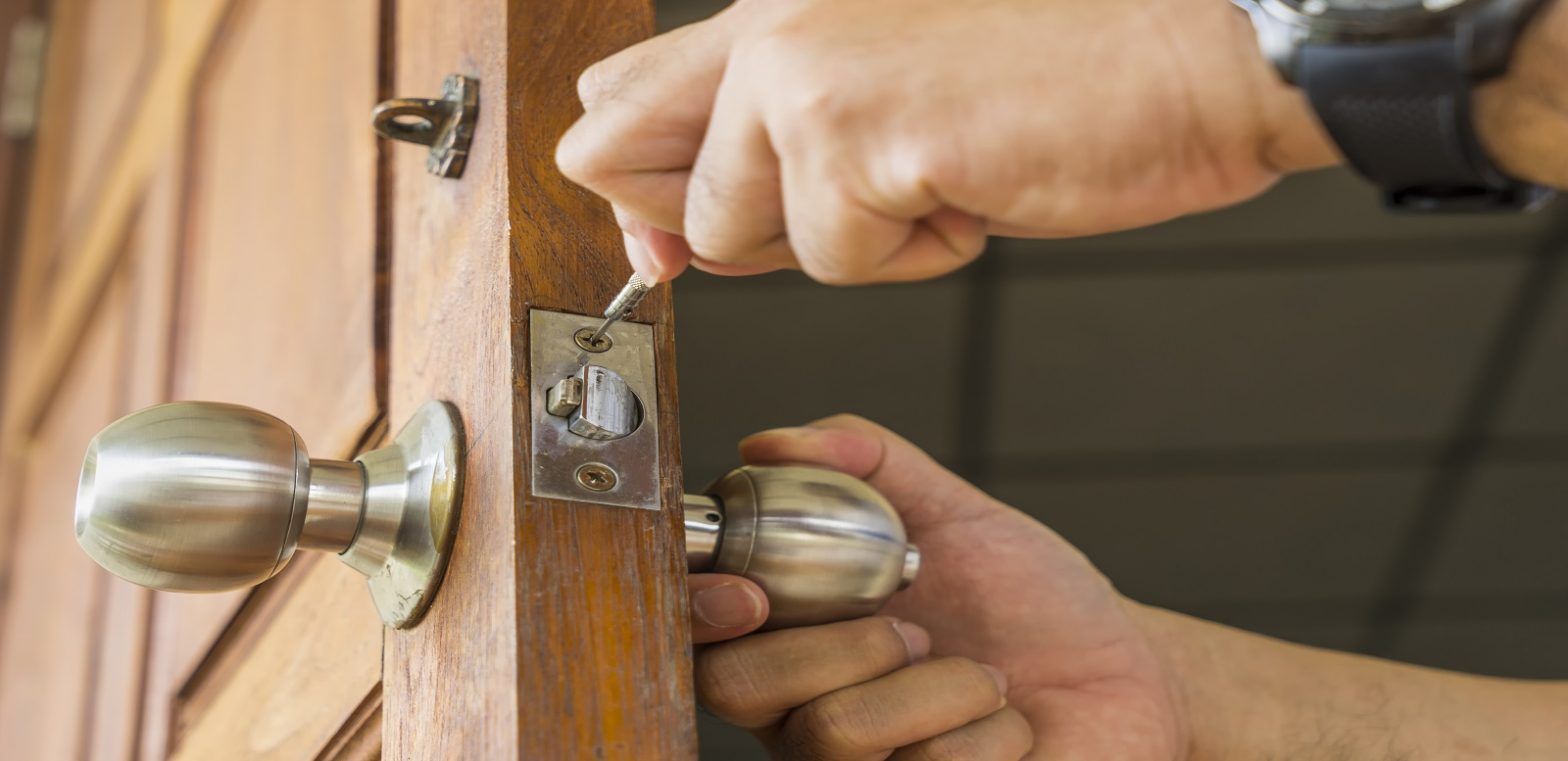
(1400, 112)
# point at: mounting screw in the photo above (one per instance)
(596, 476)
(584, 339)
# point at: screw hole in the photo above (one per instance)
(712, 517)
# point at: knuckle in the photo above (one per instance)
(702, 226)
(816, 101)
(812, 111)
(831, 725)
(806, 90)
(727, 682)
(969, 676)
(933, 164)
(876, 640)
(600, 82)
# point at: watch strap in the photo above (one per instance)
(1400, 112)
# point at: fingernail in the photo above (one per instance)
(999, 678)
(641, 260)
(726, 605)
(916, 641)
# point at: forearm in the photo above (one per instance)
(1249, 697)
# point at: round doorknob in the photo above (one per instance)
(194, 497)
(823, 545)
(207, 497)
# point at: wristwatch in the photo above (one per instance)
(1391, 81)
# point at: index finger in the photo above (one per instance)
(647, 108)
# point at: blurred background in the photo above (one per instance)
(1302, 416)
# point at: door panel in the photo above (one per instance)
(280, 266)
(120, 663)
(98, 61)
(53, 609)
(298, 670)
(277, 293)
(116, 46)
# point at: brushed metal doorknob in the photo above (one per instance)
(823, 545)
(208, 497)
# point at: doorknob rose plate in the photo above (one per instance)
(207, 497)
(414, 487)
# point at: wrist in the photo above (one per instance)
(1204, 674)
(1522, 117)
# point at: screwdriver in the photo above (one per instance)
(622, 305)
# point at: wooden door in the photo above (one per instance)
(211, 217)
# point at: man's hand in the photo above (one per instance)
(1009, 640)
(1011, 644)
(883, 140)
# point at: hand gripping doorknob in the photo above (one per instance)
(823, 545)
(206, 497)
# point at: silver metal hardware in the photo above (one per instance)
(446, 124)
(597, 403)
(596, 476)
(704, 527)
(587, 340)
(621, 306)
(825, 546)
(207, 497)
(24, 76)
(565, 397)
(597, 431)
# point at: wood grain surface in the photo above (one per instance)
(561, 631)
(449, 684)
(297, 675)
(94, 240)
(276, 309)
(15, 163)
(55, 604)
(604, 610)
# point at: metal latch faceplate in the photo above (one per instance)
(623, 472)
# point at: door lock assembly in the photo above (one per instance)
(594, 411)
(208, 497)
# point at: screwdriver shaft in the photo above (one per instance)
(622, 305)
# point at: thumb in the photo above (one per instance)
(724, 607)
(924, 493)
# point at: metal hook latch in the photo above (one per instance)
(446, 125)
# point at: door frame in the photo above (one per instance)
(590, 657)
